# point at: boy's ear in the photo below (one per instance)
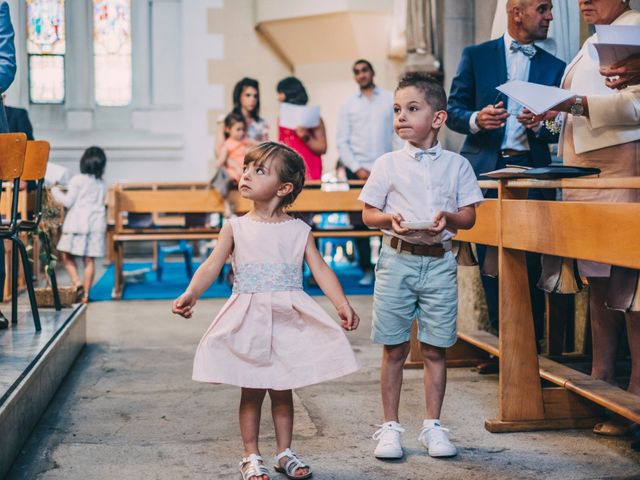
(439, 118)
(285, 189)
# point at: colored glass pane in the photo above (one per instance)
(112, 52)
(45, 27)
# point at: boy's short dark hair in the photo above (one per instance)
(290, 170)
(93, 162)
(433, 90)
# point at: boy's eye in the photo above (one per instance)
(396, 109)
(259, 170)
(413, 109)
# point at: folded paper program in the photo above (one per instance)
(616, 43)
(537, 98)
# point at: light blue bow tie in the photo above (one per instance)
(528, 50)
(422, 153)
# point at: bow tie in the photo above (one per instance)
(528, 50)
(423, 153)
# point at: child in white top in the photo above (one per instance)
(419, 196)
(270, 336)
(85, 223)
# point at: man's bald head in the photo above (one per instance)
(528, 20)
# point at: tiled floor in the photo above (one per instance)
(21, 345)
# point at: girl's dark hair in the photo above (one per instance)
(93, 162)
(237, 93)
(294, 91)
(232, 118)
(291, 168)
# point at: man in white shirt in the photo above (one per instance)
(365, 132)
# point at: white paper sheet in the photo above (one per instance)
(294, 116)
(537, 98)
(56, 174)
(616, 42)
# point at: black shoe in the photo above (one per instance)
(4, 323)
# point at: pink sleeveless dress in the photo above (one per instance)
(270, 333)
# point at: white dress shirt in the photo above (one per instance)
(365, 129)
(417, 186)
(515, 134)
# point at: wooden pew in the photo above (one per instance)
(570, 229)
(197, 198)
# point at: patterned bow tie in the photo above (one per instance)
(528, 50)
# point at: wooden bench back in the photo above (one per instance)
(602, 232)
(36, 159)
(12, 151)
(171, 199)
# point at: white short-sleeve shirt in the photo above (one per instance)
(418, 183)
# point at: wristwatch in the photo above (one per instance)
(577, 109)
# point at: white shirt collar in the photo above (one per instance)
(433, 152)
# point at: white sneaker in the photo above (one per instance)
(436, 441)
(388, 436)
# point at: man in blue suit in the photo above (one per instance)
(498, 130)
(7, 74)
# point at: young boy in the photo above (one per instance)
(419, 196)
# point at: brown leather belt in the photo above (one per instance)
(436, 250)
(509, 152)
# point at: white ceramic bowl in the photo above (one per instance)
(418, 225)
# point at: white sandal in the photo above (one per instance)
(293, 464)
(256, 467)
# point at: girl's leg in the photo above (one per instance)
(89, 274)
(282, 413)
(250, 408)
(69, 263)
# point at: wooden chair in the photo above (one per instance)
(35, 167)
(12, 157)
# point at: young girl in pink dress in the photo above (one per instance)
(270, 336)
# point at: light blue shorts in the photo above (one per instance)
(412, 287)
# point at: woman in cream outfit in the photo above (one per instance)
(601, 129)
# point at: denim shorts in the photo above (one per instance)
(412, 287)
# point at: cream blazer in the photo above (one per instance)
(614, 116)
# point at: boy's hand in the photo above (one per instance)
(183, 305)
(439, 223)
(349, 317)
(396, 218)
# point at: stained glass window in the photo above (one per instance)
(46, 50)
(112, 52)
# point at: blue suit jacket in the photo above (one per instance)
(7, 58)
(482, 68)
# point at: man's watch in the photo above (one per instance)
(577, 109)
